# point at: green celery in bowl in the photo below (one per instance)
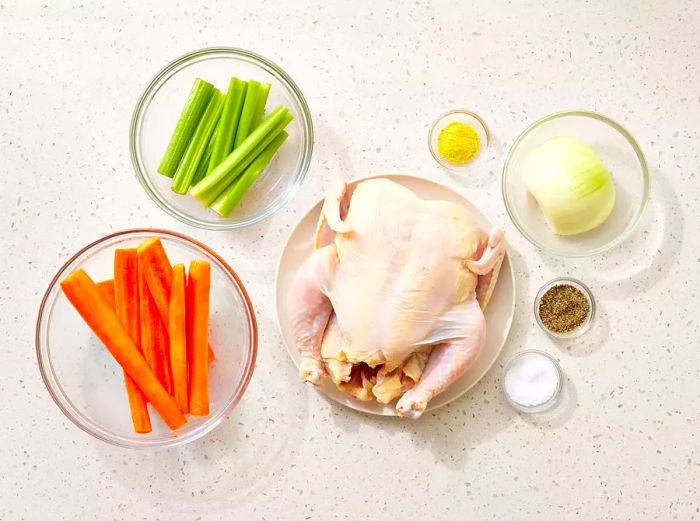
(264, 187)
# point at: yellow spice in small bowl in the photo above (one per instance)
(458, 143)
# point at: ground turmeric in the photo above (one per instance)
(458, 143)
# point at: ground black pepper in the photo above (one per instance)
(563, 308)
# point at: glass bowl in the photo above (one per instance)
(159, 108)
(463, 116)
(547, 403)
(619, 152)
(87, 383)
(579, 286)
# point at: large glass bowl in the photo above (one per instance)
(158, 110)
(618, 150)
(87, 383)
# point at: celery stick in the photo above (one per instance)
(228, 122)
(250, 106)
(196, 104)
(208, 197)
(219, 174)
(260, 109)
(227, 201)
(188, 166)
(203, 167)
(201, 171)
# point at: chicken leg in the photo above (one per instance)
(493, 254)
(310, 311)
(332, 219)
(448, 361)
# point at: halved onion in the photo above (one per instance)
(572, 186)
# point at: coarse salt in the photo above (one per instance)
(531, 379)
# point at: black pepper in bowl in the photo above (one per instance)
(563, 308)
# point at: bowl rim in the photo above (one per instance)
(156, 83)
(213, 421)
(454, 167)
(632, 224)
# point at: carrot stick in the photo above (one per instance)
(137, 401)
(159, 277)
(178, 337)
(126, 304)
(154, 335)
(146, 310)
(162, 351)
(198, 283)
(142, 421)
(102, 319)
(106, 289)
(189, 329)
(158, 273)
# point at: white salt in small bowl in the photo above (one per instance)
(532, 381)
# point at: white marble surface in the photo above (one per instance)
(624, 445)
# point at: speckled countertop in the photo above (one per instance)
(624, 445)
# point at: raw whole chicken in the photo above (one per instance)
(390, 302)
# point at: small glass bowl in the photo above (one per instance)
(617, 149)
(583, 289)
(159, 108)
(87, 384)
(547, 404)
(463, 116)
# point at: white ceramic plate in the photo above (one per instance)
(499, 312)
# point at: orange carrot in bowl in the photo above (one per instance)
(198, 284)
(178, 337)
(159, 276)
(126, 304)
(154, 335)
(82, 292)
(106, 289)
